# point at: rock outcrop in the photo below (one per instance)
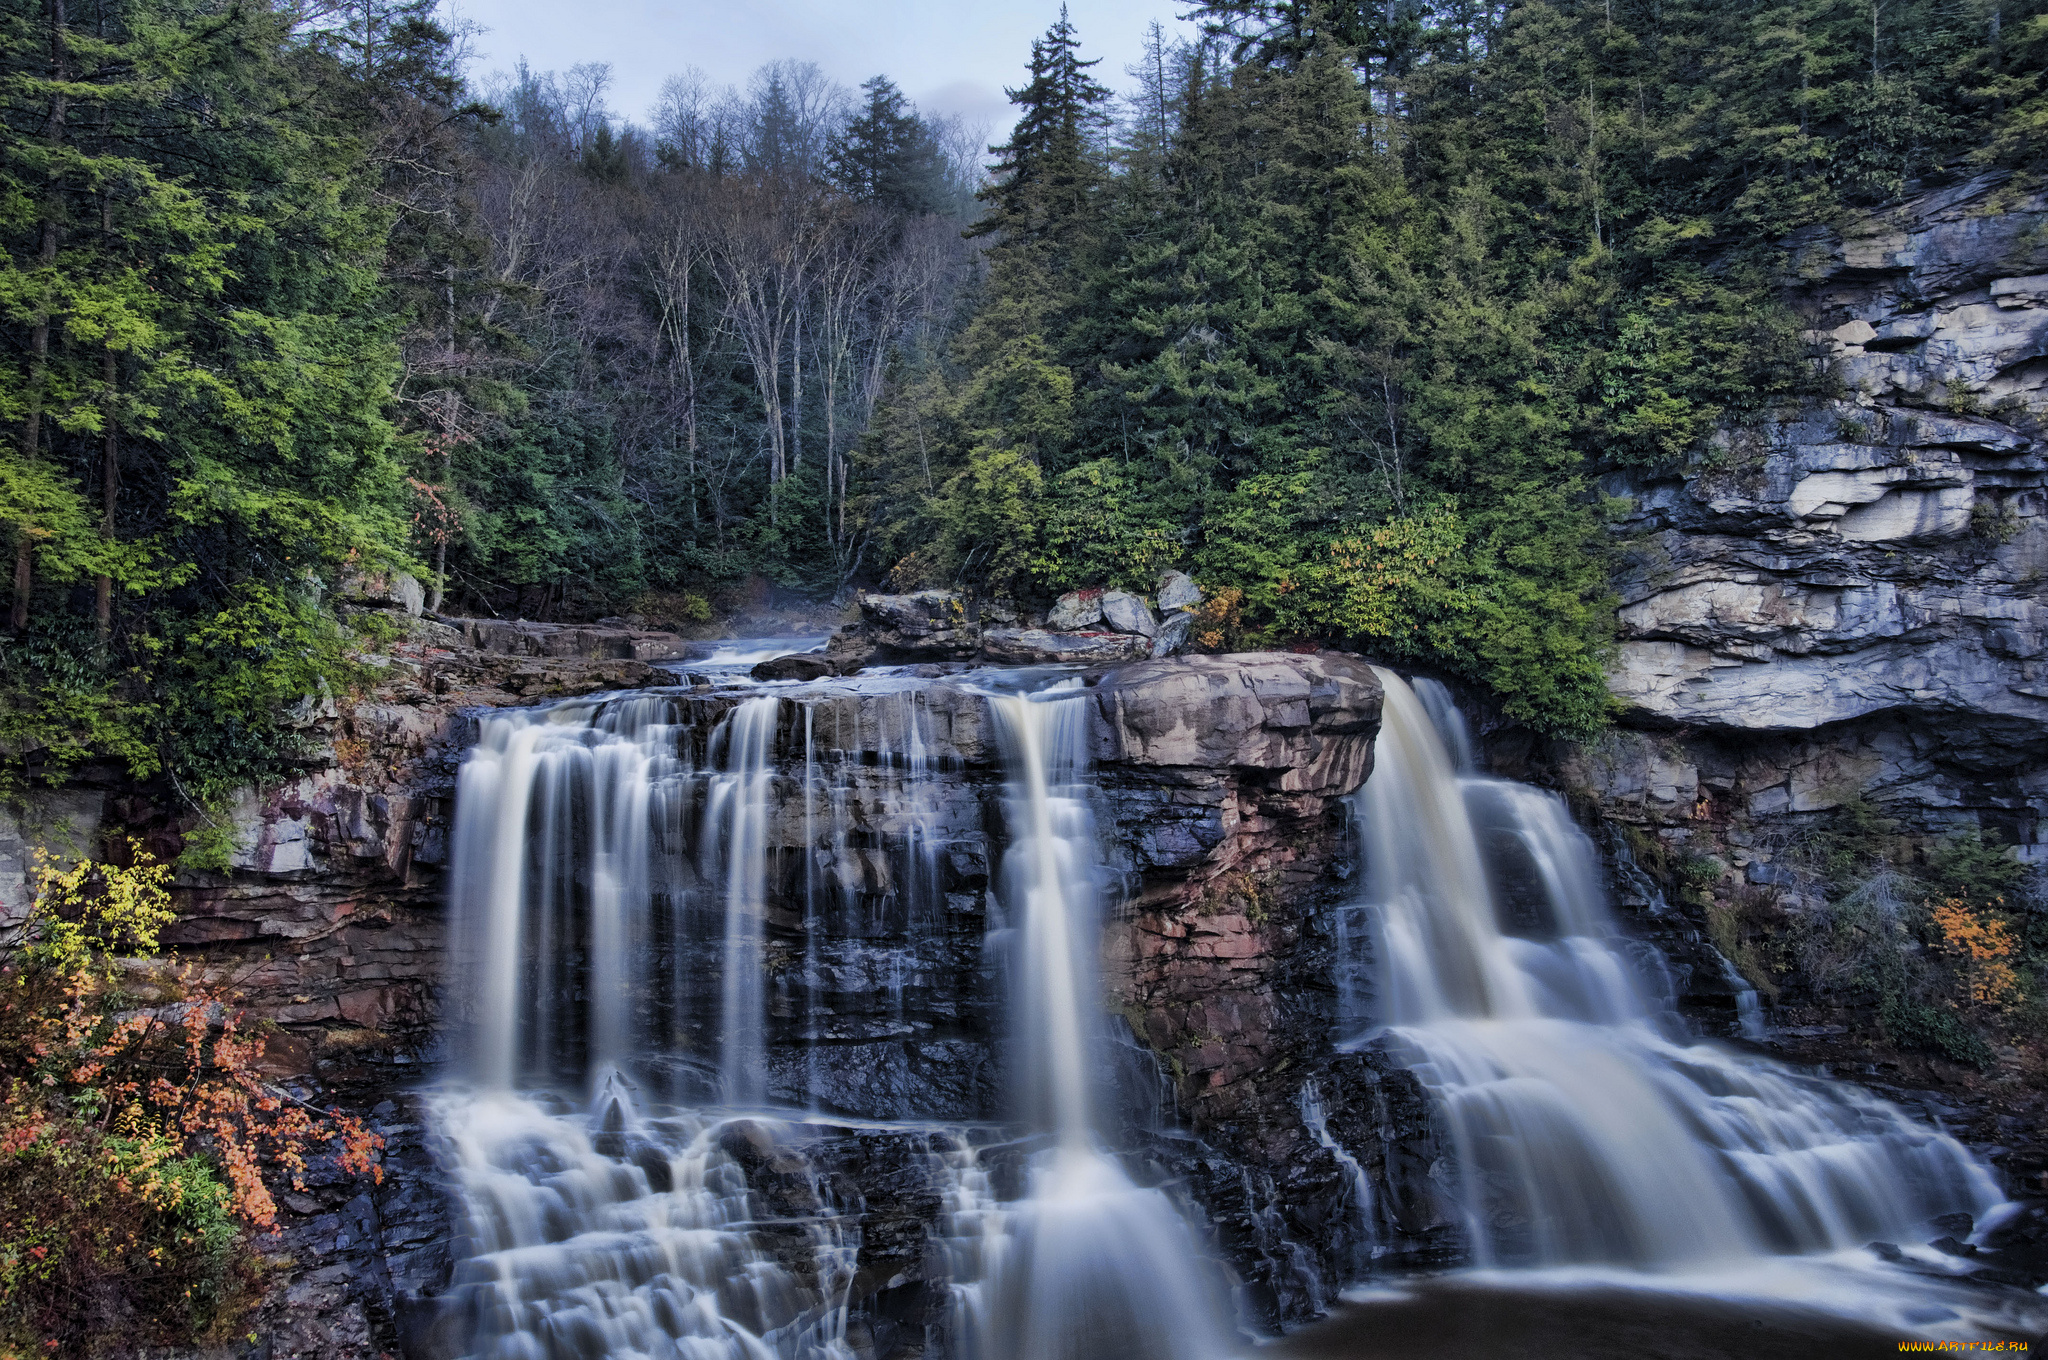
(1880, 553)
(1089, 627)
(1844, 603)
(1223, 777)
(1222, 783)
(1850, 600)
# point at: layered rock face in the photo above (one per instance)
(1876, 561)
(1088, 627)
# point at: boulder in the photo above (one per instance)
(1075, 610)
(1126, 613)
(1037, 646)
(1177, 590)
(1172, 637)
(796, 666)
(1252, 711)
(397, 590)
(569, 642)
(931, 625)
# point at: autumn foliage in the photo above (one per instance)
(1983, 949)
(136, 1129)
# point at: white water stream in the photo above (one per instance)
(1587, 1128)
(613, 907)
(1098, 1268)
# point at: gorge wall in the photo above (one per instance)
(1221, 778)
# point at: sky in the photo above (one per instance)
(949, 57)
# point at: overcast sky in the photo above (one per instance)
(948, 56)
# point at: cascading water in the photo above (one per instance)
(1097, 1268)
(602, 1231)
(629, 874)
(1586, 1127)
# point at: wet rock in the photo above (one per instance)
(1037, 646)
(1075, 611)
(560, 641)
(1957, 1225)
(931, 625)
(800, 666)
(1172, 638)
(1127, 613)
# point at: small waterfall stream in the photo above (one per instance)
(1587, 1127)
(1098, 1268)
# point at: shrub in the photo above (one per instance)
(136, 1127)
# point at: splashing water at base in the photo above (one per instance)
(610, 1235)
(1585, 1127)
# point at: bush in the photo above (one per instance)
(136, 1127)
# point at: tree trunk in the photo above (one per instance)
(796, 395)
(24, 579)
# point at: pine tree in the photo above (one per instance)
(888, 156)
(190, 283)
(1051, 171)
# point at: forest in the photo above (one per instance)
(1345, 309)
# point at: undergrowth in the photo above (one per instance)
(135, 1126)
(1946, 941)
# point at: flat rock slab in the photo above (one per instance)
(1039, 646)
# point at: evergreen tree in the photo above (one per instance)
(1051, 171)
(888, 156)
(191, 292)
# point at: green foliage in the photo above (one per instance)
(1976, 871)
(97, 910)
(1915, 1024)
(1097, 531)
(988, 516)
(1888, 933)
(110, 1239)
(1854, 840)
(203, 363)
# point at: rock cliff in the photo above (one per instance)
(1883, 552)
(1221, 781)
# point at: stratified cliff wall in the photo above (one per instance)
(1222, 784)
(1870, 566)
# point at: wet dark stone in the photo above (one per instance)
(800, 666)
(1957, 1225)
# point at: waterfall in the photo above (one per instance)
(1586, 1127)
(1097, 1267)
(629, 877)
(740, 802)
(532, 920)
